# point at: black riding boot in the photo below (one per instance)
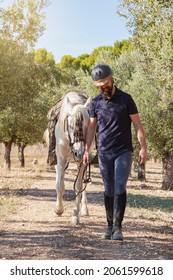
(109, 205)
(119, 210)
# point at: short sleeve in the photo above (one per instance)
(131, 106)
(92, 109)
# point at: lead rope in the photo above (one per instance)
(85, 181)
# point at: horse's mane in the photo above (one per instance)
(71, 101)
(76, 97)
(80, 93)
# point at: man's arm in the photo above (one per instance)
(141, 137)
(91, 129)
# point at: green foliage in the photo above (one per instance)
(28, 89)
(19, 91)
(121, 46)
(49, 75)
(41, 56)
(151, 23)
(86, 61)
(85, 83)
(66, 61)
(105, 55)
(153, 202)
(22, 21)
(28, 80)
(142, 66)
(80, 62)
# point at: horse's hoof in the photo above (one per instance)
(58, 211)
(75, 220)
(84, 211)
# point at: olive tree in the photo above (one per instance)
(151, 23)
(21, 24)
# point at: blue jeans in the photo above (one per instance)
(115, 171)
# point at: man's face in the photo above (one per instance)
(106, 89)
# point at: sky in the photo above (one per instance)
(75, 27)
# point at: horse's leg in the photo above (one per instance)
(75, 218)
(84, 209)
(60, 169)
(78, 189)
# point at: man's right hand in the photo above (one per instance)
(86, 158)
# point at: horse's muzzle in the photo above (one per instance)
(77, 150)
(77, 156)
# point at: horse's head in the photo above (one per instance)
(76, 125)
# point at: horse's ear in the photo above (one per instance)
(87, 103)
(69, 106)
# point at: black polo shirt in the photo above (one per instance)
(114, 123)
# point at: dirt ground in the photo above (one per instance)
(31, 230)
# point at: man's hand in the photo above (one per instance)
(86, 158)
(143, 157)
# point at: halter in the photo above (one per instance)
(77, 134)
(78, 137)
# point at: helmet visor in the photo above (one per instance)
(102, 82)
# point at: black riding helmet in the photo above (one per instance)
(101, 74)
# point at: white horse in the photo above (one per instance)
(70, 133)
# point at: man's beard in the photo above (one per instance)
(107, 92)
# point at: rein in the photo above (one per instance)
(85, 181)
(78, 134)
(78, 137)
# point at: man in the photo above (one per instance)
(113, 111)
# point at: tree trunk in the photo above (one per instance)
(7, 158)
(21, 156)
(167, 161)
